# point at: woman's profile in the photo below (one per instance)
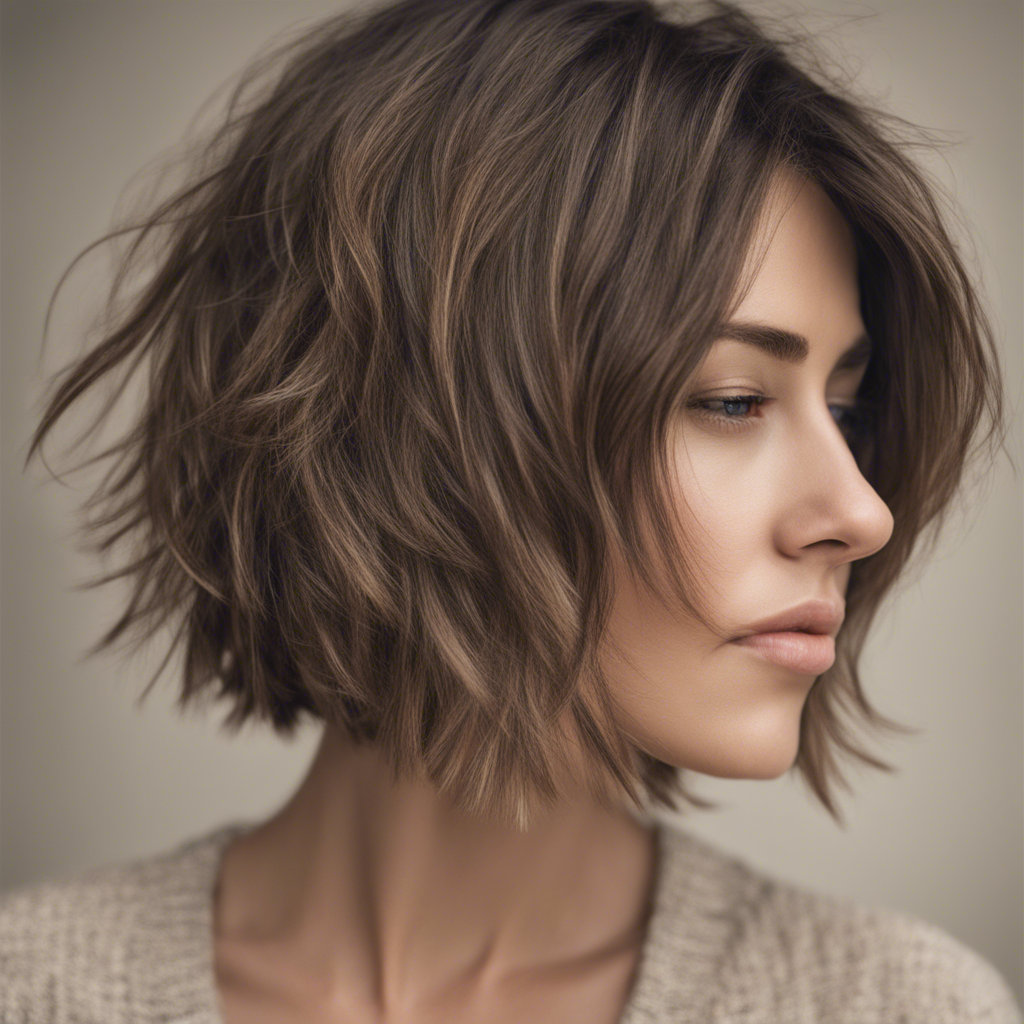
(543, 395)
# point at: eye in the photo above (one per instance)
(856, 420)
(845, 416)
(731, 410)
(739, 411)
(736, 406)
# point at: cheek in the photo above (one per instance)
(728, 495)
(683, 693)
(696, 702)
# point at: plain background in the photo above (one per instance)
(93, 92)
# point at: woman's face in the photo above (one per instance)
(772, 496)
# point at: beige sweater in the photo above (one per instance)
(134, 943)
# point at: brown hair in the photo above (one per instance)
(418, 324)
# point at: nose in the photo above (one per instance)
(832, 507)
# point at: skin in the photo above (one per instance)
(367, 899)
(775, 497)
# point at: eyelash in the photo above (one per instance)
(857, 416)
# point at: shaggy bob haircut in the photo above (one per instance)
(419, 322)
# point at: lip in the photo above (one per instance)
(807, 653)
(810, 617)
(801, 639)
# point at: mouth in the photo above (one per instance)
(798, 650)
(814, 617)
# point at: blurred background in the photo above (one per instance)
(95, 92)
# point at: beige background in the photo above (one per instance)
(92, 93)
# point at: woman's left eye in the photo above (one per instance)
(733, 407)
(735, 410)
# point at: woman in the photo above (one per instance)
(544, 396)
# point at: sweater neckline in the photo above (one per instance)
(687, 931)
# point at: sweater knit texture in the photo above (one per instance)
(133, 942)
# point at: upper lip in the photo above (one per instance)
(810, 617)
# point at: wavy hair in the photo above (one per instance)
(418, 324)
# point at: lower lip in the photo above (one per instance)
(810, 653)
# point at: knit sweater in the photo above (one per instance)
(134, 943)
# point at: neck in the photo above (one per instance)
(393, 893)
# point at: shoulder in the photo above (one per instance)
(860, 963)
(89, 947)
(791, 954)
(65, 945)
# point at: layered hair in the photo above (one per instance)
(418, 325)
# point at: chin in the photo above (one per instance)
(768, 767)
(766, 751)
(751, 764)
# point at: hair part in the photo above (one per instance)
(418, 325)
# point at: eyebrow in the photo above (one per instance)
(791, 347)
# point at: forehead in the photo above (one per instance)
(800, 272)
